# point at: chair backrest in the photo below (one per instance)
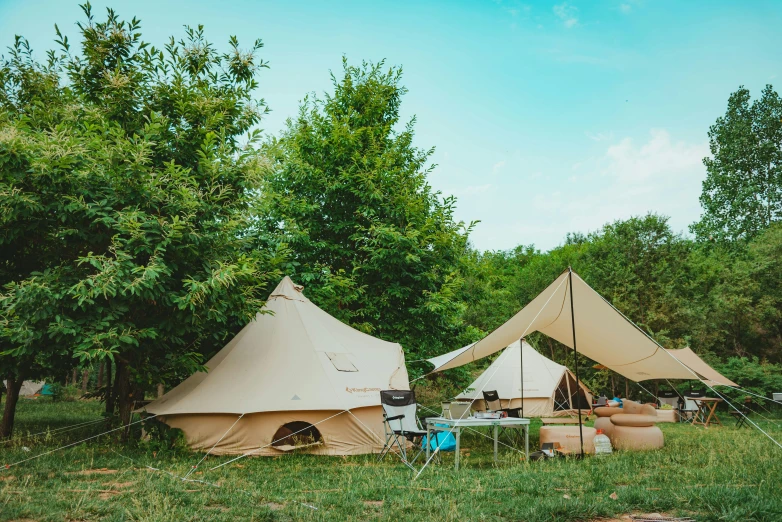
(492, 399)
(602, 401)
(400, 402)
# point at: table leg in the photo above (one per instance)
(712, 415)
(458, 450)
(526, 442)
(496, 436)
(428, 439)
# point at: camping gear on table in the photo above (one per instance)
(435, 424)
(296, 376)
(401, 424)
(602, 443)
(490, 415)
(457, 410)
(550, 389)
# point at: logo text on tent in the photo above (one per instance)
(361, 390)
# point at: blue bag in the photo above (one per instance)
(445, 440)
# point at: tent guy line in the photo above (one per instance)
(761, 430)
(272, 442)
(213, 447)
(439, 444)
(7, 466)
(198, 481)
(61, 430)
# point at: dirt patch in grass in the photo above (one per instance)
(100, 471)
(121, 484)
(373, 503)
(274, 506)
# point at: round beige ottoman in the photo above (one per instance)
(637, 438)
(568, 438)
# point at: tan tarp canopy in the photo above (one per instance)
(710, 376)
(602, 333)
(295, 364)
(549, 388)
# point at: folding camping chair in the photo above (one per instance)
(493, 403)
(401, 424)
(741, 416)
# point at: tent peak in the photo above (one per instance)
(287, 289)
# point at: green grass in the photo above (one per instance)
(722, 473)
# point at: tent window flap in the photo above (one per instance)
(341, 362)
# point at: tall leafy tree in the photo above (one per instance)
(348, 191)
(131, 198)
(742, 192)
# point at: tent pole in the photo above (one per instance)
(521, 355)
(575, 350)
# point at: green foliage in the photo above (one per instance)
(742, 193)
(751, 374)
(125, 207)
(374, 244)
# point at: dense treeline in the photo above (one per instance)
(144, 219)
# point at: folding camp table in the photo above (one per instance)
(455, 426)
(706, 408)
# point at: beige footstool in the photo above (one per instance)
(568, 437)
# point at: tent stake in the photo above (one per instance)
(578, 380)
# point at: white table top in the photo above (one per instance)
(471, 421)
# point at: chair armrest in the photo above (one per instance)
(395, 417)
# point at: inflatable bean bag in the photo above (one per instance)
(607, 411)
(637, 438)
(568, 438)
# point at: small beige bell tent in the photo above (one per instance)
(550, 389)
(292, 378)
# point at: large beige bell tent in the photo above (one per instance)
(550, 389)
(292, 378)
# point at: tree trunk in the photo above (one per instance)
(111, 391)
(100, 374)
(13, 385)
(613, 386)
(73, 377)
(85, 380)
(627, 388)
(124, 396)
(161, 390)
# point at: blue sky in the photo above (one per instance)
(547, 117)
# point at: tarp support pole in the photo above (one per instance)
(575, 350)
(521, 355)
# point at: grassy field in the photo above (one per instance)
(722, 473)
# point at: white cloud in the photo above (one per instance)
(497, 167)
(567, 13)
(657, 160)
(600, 136)
(630, 178)
(625, 8)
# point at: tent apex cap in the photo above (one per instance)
(287, 289)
